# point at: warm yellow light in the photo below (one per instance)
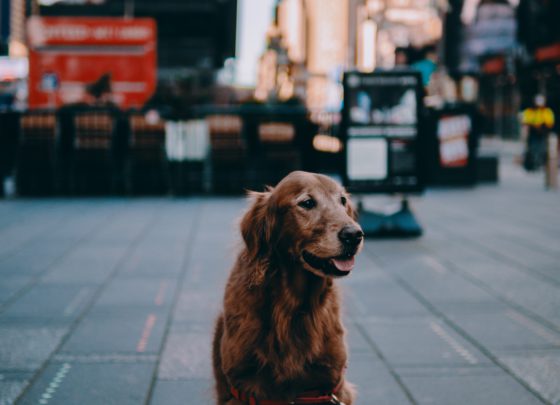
(327, 35)
(375, 6)
(407, 15)
(17, 49)
(327, 143)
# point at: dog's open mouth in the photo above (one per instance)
(339, 266)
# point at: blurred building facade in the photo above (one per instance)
(497, 53)
(509, 49)
(315, 41)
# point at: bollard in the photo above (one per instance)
(551, 172)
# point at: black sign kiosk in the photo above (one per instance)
(381, 121)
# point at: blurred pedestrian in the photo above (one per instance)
(538, 121)
(428, 64)
(401, 58)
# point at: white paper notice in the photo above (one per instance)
(367, 159)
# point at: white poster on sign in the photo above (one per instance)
(367, 159)
(453, 133)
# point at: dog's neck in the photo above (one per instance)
(304, 289)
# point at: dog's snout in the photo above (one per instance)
(351, 236)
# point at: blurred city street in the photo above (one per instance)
(112, 300)
(130, 131)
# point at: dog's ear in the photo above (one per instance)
(258, 224)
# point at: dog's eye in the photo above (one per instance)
(343, 200)
(308, 204)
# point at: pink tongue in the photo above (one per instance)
(344, 265)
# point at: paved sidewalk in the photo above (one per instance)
(111, 301)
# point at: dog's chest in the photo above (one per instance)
(309, 339)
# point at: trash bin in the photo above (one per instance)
(95, 161)
(9, 136)
(146, 165)
(279, 142)
(36, 156)
(186, 145)
(451, 146)
(228, 152)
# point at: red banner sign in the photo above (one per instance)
(546, 53)
(68, 54)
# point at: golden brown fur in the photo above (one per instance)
(280, 331)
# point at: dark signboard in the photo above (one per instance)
(381, 119)
(451, 145)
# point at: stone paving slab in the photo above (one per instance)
(385, 299)
(450, 318)
(23, 263)
(25, 347)
(50, 303)
(141, 293)
(10, 390)
(186, 356)
(181, 392)
(509, 330)
(199, 306)
(457, 386)
(105, 332)
(12, 383)
(10, 286)
(16, 236)
(444, 288)
(89, 264)
(423, 341)
(539, 369)
(147, 261)
(375, 383)
(98, 383)
(355, 339)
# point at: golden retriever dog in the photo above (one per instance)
(279, 339)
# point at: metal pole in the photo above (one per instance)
(35, 7)
(551, 171)
(129, 8)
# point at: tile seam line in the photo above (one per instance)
(506, 215)
(457, 329)
(180, 282)
(19, 204)
(72, 327)
(472, 341)
(36, 278)
(384, 360)
(16, 250)
(28, 241)
(475, 281)
(518, 265)
(512, 236)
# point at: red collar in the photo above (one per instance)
(308, 397)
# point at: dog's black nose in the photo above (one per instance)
(350, 236)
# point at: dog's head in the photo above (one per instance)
(307, 219)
